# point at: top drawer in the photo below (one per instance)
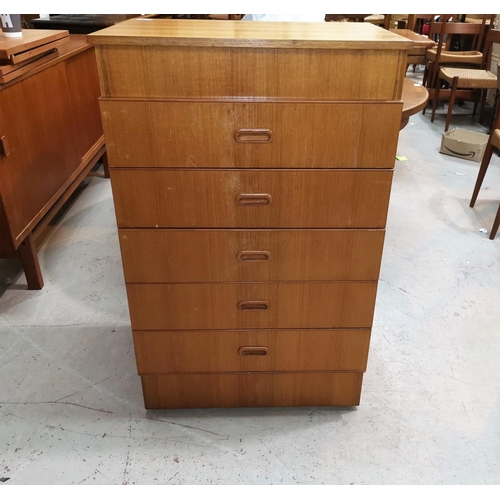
(252, 134)
(148, 71)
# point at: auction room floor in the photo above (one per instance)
(71, 402)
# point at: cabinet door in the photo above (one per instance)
(41, 134)
(84, 88)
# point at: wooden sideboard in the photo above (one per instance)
(251, 167)
(51, 136)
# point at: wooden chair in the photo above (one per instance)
(493, 142)
(466, 78)
(442, 55)
(416, 22)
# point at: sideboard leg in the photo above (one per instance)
(31, 264)
(105, 165)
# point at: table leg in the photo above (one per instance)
(31, 264)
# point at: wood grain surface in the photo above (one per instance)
(251, 389)
(153, 71)
(207, 198)
(175, 256)
(257, 350)
(211, 33)
(211, 306)
(202, 134)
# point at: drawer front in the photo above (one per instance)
(251, 198)
(260, 350)
(251, 305)
(243, 135)
(219, 71)
(177, 256)
(227, 390)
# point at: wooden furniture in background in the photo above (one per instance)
(82, 24)
(415, 98)
(251, 202)
(470, 79)
(421, 44)
(493, 142)
(441, 55)
(50, 137)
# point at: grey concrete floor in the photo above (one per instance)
(71, 404)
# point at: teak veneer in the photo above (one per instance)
(251, 166)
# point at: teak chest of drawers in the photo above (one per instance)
(251, 166)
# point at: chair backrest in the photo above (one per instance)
(445, 30)
(414, 18)
(493, 37)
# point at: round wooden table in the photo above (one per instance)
(414, 98)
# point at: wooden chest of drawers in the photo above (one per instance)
(251, 166)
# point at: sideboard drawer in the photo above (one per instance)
(182, 256)
(258, 350)
(251, 198)
(213, 306)
(245, 135)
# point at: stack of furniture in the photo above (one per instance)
(251, 202)
(50, 137)
(470, 81)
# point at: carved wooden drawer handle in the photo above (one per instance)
(253, 351)
(253, 305)
(253, 199)
(253, 255)
(253, 135)
(4, 147)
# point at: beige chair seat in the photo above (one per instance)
(458, 57)
(375, 19)
(469, 78)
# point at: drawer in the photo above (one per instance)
(251, 198)
(176, 256)
(258, 72)
(251, 305)
(214, 390)
(259, 350)
(243, 135)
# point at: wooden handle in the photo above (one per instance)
(253, 351)
(4, 147)
(253, 305)
(253, 255)
(253, 135)
(253, 199)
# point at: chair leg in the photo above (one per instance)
(494, 229)
(482, 172)
(481, 109)
(414, 68)
(433, 74)
(435, 100)
(476, 102)
(451, 103)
